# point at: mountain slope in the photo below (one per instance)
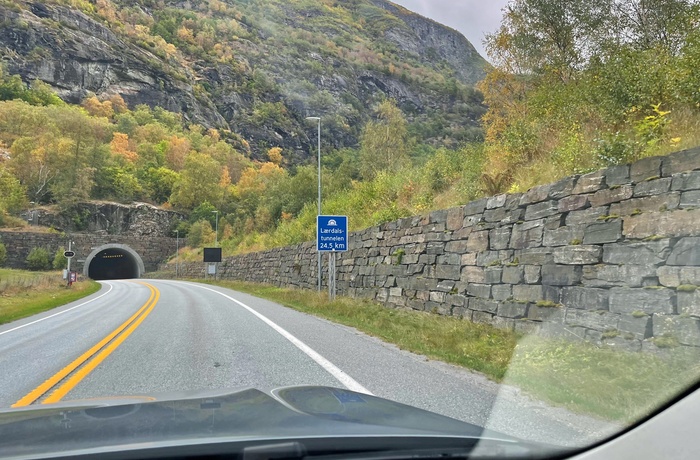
(254, 67)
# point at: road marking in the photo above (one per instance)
(60, 312)
(111, 341)
(335, 371)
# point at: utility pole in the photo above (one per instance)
(318, 119)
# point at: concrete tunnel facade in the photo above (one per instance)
(113, 261)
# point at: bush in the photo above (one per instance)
(38, 259)
(59, 260)
(3, 254)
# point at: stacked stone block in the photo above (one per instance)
(610, 257)
(153, 250)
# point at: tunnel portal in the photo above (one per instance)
(113, 261)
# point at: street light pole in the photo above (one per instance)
(216, 236)
(318, 119)
(177, 252)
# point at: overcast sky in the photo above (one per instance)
(473, 18)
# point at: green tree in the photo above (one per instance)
(38, 259)
(549, 36)
(199, 182)
(12, 195)
(160, 183)
(384, 143)
(117, 183)
(59, 260)
(200, 233)
(656, 24)
(205, 211)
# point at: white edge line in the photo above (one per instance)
(60, 312)
(335, 371)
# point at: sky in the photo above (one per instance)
(473, 18)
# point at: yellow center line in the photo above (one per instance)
(97, 360)
(42, 389)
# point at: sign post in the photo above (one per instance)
(69, 254)
(212, 256)
(331, 237)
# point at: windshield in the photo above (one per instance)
(488, 211)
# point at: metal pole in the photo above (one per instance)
(216, 243)
(69, 248)
(318, 119)
(331, 275)
(216, 231)
(319, 196)
(177, 252)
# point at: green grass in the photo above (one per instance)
(613, 384)
(24, 293)
(604, 382)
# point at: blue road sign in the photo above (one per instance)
(331, 233)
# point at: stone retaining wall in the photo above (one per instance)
(152, 250)
(610, 257)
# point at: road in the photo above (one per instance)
(154, 336)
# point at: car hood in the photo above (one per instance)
(205, 417)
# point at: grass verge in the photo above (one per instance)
(24, 293)
(612, 384)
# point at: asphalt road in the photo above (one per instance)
(152, 337)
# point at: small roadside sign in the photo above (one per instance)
(69, 254)
(332, 233)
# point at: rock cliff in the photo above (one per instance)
(77, 56)
(136, 219)
(255, 70)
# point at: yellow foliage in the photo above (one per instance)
(105, 8)
(275, 155)
(185, 34)
(98, 109)
(120, 146)
(214, 135)
(225, 180)
(177, 150)
(118, 104)
(504, 95)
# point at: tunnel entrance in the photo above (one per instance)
(113, 262)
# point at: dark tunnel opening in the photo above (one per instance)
(113, 264)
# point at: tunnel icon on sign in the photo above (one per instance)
(332, 223)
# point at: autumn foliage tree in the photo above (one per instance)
(385, 142)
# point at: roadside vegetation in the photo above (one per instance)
(611, 83)
(25, 293)
(601, 381)
(583, 84)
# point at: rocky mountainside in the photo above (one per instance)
(135, 219)
(254, 67)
